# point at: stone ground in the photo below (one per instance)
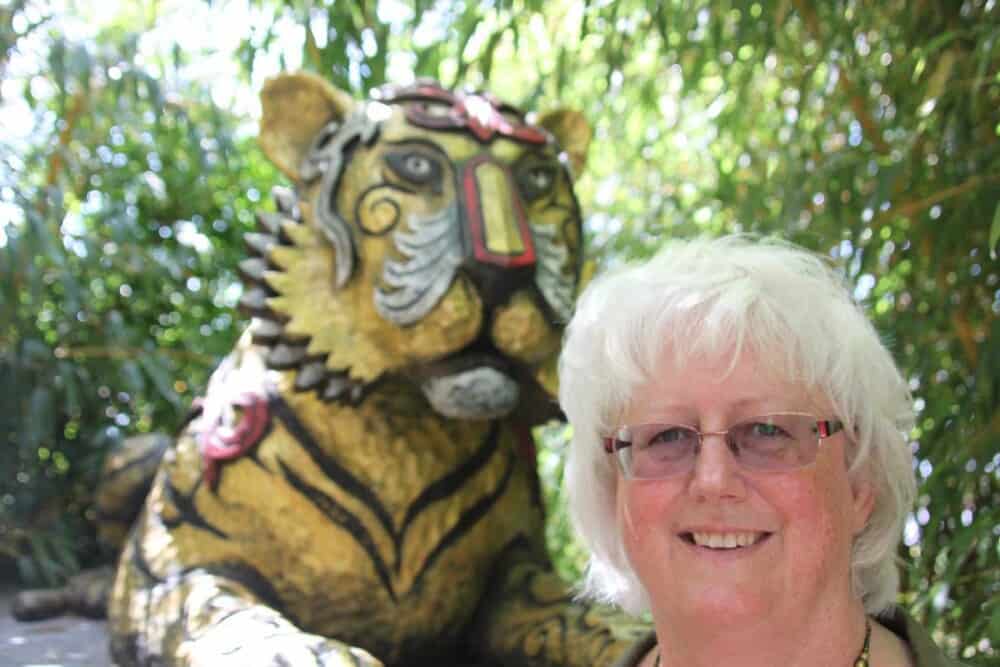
(66, 641)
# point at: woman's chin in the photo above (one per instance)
(725, 605)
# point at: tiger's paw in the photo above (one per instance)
(234, 643)
(293, 648)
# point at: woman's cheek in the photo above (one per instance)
(642, 514)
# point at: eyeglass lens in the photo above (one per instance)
(768, 443)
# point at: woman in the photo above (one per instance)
(739, 467)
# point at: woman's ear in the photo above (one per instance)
(862, 503)
(295, 108)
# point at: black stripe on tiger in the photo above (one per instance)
(333, 470)
(196, 410)
(249, 578)
(343, 518)
(437, 490)
(450, 483)
(135, 456)
(138, 559)
(240, 573)
(188, 513)
(466, 521)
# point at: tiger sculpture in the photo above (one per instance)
(359, 485)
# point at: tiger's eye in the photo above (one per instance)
(540, 178)
(417, 168)
(536, 181)
(417, 165)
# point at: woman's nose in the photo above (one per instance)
(717, 472)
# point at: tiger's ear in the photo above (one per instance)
(295, 108)
(573, 133)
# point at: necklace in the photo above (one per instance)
(863, 659)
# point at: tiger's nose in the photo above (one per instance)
(499, 249)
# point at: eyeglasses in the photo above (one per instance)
(769, 443)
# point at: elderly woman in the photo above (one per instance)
(739, 467)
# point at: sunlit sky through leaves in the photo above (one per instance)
(208, 35)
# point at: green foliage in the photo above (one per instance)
(867, 131)
(116, 280)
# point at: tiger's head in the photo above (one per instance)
(431, 235)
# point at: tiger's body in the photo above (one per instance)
(359, 488)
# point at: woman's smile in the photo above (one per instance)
(724, 540)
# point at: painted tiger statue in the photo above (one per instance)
(359, 485)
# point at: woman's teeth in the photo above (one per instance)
(726, 540)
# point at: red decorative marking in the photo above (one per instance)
(480, 114)
(434, 93)
(528, 134)
(219, 443)
(477, 225)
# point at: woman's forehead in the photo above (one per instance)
(732, 385)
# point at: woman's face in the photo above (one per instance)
(799, 524)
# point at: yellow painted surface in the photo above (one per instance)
(382, 528)
(501, 231)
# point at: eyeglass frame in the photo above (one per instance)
(825, 428)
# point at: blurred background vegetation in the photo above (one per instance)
(868, 131)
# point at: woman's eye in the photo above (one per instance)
(669, 436)
(764, 430)
(416, 168)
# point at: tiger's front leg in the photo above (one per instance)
(233, 630)
(201, 619)
(531, 618)
(204, 578)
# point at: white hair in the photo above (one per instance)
(705, 298)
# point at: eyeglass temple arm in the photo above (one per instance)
(610, 444)
(826, 428)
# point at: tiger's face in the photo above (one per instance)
(432, 236)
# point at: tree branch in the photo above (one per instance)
(65, 136)
(96, 352)
(857, 101)
(911, 208)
